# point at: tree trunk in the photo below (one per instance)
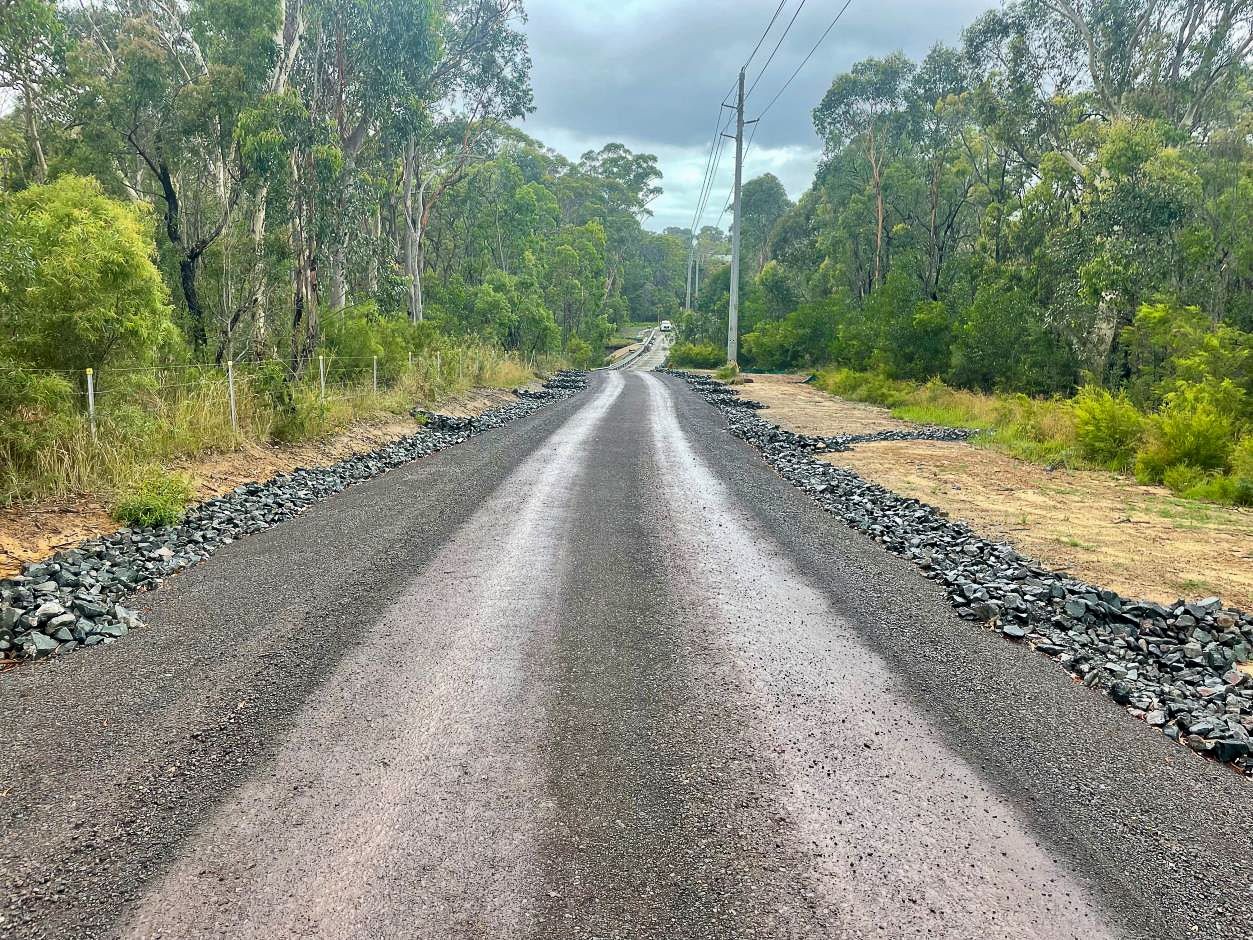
(305, 325)
(878, 205)
(413, 210)
(187, 270)
(375, 231)
(32, 133)
(339, 277)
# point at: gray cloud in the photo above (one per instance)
(650, 73)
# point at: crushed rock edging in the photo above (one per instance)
(1173, 667)
(73, 599)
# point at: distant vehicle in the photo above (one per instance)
(666, 326)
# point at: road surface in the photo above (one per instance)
(597, 674)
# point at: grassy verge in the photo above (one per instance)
(147, 418)
(1093, 430)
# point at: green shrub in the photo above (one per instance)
(1108, 428)
(873, 387)
(1182, 477)
(80, 285)
(155, 498)
(1189, 429)
(1242, 459)
(34, 408)
(1223, 488)
(580, 353)
(727, 373)
(697, 356)
(1191, 483)
(353, 338)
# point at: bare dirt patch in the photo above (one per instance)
(808, 410)
(1138, 540)
(33, 532)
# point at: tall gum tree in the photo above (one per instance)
(482, 79)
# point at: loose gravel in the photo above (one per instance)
(1175, 667)
(74, 599)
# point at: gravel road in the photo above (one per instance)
(600, 674)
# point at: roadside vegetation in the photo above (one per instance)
(189, 186)
(1045, 231)
(1188, 447)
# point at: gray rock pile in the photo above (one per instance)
(1173, 666)
(560, 386)
(74, 599)
(927, 432)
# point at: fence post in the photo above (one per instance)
(91, 401)
(322, 378)
(411, 359)
(376, 375)
(230, 393)
(461, 365)
(438, 366)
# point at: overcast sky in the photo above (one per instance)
(650, 73)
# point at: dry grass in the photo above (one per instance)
(34, 530)
(182, 414)
(1105, 528)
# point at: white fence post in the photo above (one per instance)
(230, 393)
(376, 375)
(438, 365)
(411, 359)
(322, 377)
(91, 401)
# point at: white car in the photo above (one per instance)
(666, 326)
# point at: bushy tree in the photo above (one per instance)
(80, 288)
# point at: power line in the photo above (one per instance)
(710, 169)
(776, 48)
(825, 32)
(780, 92)
(713, 145)
(704, 202)
(777, 10)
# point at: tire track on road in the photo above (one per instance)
(406, 799)
(906, 839)
(663, 824)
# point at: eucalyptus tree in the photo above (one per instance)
(162, 85)
(32, 51)
(480, 80)
(763, 201)
(866, 104)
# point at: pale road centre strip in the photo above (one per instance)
(408, 793)
(905, 838)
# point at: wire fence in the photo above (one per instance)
(99, 391)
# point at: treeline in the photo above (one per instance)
(261, 179)
(1064, 199)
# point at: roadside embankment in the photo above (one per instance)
(34, 529)
(1185, 668)
(1142, 541)
(73, 599)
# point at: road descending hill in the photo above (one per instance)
(600, 673)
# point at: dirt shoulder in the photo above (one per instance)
(31, 532)
(1141, 541)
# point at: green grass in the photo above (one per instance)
(946, 415)
(1037, 430)
(1092, 431)
(154, 418)
(153, 498)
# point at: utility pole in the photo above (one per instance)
(733, 314)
